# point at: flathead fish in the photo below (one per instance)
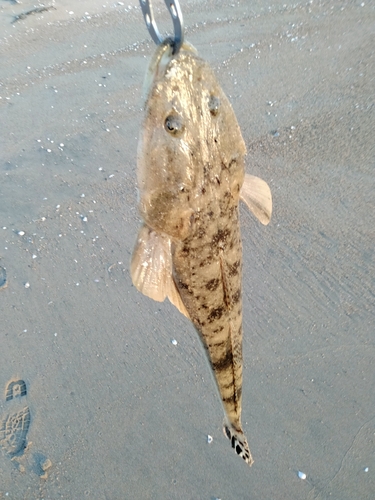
(191, 177)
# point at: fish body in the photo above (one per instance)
(191, 176)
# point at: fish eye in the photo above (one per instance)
(214, 105)
(173, 124)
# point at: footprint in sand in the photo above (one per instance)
(3, 278)
(15, 425)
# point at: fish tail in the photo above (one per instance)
(239, 442)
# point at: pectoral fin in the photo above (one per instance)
(257, 195)
(151, 268)
(151, 264)
(175, 298)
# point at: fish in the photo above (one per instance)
(191, 177)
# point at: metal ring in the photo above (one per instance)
(174, 9)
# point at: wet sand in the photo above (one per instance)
(119, 410)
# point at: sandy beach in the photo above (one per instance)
(107, 406)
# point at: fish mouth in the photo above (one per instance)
(160, 61)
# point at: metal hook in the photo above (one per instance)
(175, 11)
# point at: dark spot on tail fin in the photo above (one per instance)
(239, 443)
(227, 431)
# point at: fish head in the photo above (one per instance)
(189, 133)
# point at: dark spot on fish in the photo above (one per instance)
(212, 284)
(227, 432)
(206, 262)
(238, 449)
(196, 321)
(218, 345)
(216, 314)
(224, 212)
(234, 268)
(183, 285)
(232, 162)
(236, 296)
(203, 190)
(214, 105)
(219, 329)
(225, 362)
(234, 397)
(201, 232)
(231, 212)
(220, 237)
(233, 441)
(185, 250)
(174, 125)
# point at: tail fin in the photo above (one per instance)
(239, 443)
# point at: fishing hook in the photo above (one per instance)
(178, 23)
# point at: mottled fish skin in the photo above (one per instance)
(190, 173)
